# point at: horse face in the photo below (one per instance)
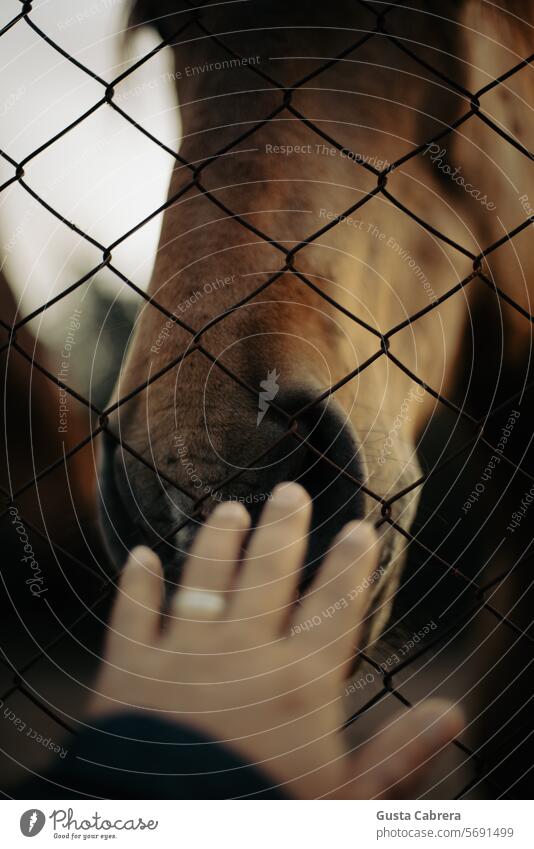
(299, 304)
(245, 407)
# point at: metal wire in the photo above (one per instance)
(474, 111)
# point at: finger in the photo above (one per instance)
(394, 763)
(269, 577)
(136, 612)
(208, 573)
(331, 614)
(215, 552)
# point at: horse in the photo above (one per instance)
(340, 205)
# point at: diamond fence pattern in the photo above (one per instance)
(192, 22)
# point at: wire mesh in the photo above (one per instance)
(192, 23)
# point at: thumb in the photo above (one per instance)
(397, 758)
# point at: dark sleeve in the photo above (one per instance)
(138, 756)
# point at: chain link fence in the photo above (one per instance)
(480, 590)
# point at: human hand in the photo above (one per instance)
(227, 659)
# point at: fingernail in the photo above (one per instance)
(289, 494)
(231, 511)
(359, 533)
(142, 558)
(443, 720)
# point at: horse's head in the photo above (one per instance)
(299, 296)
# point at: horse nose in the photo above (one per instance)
(299, 439)
(331, 467)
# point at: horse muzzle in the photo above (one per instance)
(163, 503)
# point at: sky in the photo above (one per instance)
(104, 175)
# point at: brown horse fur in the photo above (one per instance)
(379, 265)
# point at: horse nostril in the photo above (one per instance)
(317, 448)
(330, 469)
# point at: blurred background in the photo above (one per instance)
(104, 176)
